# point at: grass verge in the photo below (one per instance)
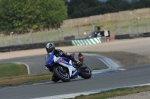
(11, 69)
(24, 79)
(16, 74)
(114, 93)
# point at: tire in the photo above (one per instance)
(61, 73)
(55, 78)
(86, 73)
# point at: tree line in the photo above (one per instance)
(22, 16)
(84, 8)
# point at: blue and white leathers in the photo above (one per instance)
(65, 62)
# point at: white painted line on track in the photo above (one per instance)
(73, 95)
(28, 69)
(111, 65)
(107, 61)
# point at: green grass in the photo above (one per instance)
(114, 93)
(24, 79)
(16, 74)
(11, 69)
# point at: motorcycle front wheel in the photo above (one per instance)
(61, 73)
(85, 73)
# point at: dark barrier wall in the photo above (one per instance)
(146, 34)
(124, 36)
(69, 37)
(33, 46)
(131, 36)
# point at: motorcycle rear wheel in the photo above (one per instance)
(55, 78)
(61, 73)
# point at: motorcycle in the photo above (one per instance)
(65, 69)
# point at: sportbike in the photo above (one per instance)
(65, 69)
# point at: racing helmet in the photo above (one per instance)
(50, 47)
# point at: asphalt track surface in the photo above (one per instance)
(99, 81)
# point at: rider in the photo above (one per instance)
(98, 33)
(51, 47)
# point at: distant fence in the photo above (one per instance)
(122, 15)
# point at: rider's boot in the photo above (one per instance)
(80, 66)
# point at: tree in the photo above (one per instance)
(136, 4)
(23, 15)
(118, 5)
(53, 12)
(82, 8)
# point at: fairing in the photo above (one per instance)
(49, 60)
(63, 62)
